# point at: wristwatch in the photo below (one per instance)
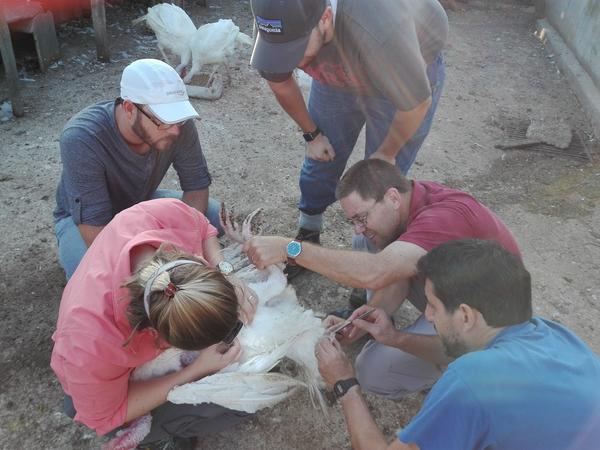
(225, 267)
(311, 135)
(293, 249)
(342, 386)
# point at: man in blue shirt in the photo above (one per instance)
(517, 382)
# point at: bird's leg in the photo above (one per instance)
(196, 66)
(212, 75)
(164, 54)
(247, 224)
(216, 71)
(230, 227)
(185, 60)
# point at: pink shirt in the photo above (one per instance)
(439, 214)
(88, 357)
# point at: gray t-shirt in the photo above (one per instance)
(381, 48)
(102, 176)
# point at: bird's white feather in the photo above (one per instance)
(281, 328)
(247, 392)
(214, 43)
(172, 26)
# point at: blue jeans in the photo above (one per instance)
(341, 116)
(71, 246)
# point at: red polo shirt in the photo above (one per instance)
(440, 214)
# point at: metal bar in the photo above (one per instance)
(10, 66)
(99, 22)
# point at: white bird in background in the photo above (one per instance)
(173, 29)
(210, 44)
(281, 328)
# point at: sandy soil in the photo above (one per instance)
(499, 76)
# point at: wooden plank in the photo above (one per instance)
(99, 21)
(10, 66)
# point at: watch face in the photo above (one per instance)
(225, 267)
(293, 249)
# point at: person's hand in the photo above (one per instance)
(346, 336)
(387, 158)
(214, 358)
(334, 365)
(320, 149)
(264, 251)
(378, 324)
(247, 299)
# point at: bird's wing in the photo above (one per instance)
(237, 391)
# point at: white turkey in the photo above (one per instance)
(173, 29)
(281, 328)
(210, 44)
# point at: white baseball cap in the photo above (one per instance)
(156, 84)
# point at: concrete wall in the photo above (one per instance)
(578, 22)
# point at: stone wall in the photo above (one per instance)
(578, 22)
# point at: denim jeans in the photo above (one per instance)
(341, 116)
(71, 246)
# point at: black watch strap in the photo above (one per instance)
(311, 135)
(342, 386)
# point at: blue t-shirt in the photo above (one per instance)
(102, 176)
(535, 386)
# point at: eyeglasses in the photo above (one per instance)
(230, 337)
(361, 220)
(160, 125)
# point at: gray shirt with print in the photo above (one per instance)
(102, 176)
(381, 48)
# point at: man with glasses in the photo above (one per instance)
(115, 154)
(396, 222)
(376, 64)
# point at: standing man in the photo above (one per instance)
(377, 62)
(115, 154)
(516, 382)
(400, 221)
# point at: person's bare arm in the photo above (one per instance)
(144, 396)
(197, 199)
(89, 232)
(379, 325)
(364, 433)
(212, 251)
(353, 268)
(391, 297)
(334, 365)
(289, 96)
(404, 125)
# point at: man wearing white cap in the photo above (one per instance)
(115, 154)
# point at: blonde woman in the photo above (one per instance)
(131, 297)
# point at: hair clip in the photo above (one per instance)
(230, 337)
(170, 290)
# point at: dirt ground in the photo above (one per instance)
(499, 76)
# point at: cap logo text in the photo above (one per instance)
(269, 26)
